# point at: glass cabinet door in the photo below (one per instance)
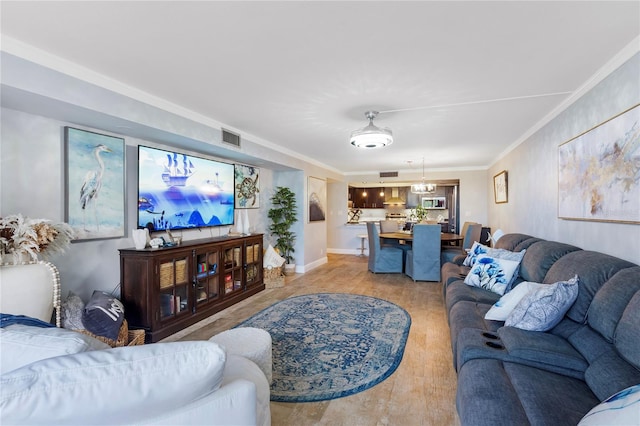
(174, 286)
(253, 262)
(207, 279)
(233, 268)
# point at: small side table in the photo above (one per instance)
(362, 237)
(251, 343)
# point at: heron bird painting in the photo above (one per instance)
(91, 186)
(95, 184)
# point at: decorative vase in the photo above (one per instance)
(239, 223)
(289, 269)
(139, 238)
(245, 221)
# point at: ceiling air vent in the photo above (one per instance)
(230, 138)
(388, 174)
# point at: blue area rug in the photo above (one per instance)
(331, 345)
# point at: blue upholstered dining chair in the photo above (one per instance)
(382, 259)
(423, 260)
(471, 235)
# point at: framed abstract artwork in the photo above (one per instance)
(95, 184)
(500, 190)
(247, 187)
(599, 172)
(317, 199)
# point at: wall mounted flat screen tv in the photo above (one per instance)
(180, 191)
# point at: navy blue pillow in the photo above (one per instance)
(103, 315)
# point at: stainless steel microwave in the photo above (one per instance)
(436, 203)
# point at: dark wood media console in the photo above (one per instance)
(165, 290)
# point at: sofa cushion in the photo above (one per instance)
(610, 374)
(622, 408)
(549, 398)
(486, 397)
(492, 392)
(593, 268)
(590, 343)
(22, 344)
(491, 273)
(113, 386)
(627, 337)
(543, 308)
(611, 300)
(511, 241)
(540, 256)
(503, 307)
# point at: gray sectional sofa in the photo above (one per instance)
(510, 376)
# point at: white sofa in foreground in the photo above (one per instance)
(53, 376)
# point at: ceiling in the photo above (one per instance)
(301, 74)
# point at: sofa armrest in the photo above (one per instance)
(112, 386)
(543, 350)
(233, 403)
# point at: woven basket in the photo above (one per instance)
(136, 337)
(273, 278)
(126, 337)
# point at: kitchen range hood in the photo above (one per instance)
(395, 199)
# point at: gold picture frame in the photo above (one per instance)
(500, 188)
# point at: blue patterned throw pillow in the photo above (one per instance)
(491, 273)
(478, 249)
(543, 309)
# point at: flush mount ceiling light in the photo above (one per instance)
(371, 136)
(423, 187)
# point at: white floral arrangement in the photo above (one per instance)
(24, 237)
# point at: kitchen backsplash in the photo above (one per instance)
(368, 215)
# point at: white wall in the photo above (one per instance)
(533, 173)
(32, 182)
(38, 102)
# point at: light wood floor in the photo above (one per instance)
(420, 392)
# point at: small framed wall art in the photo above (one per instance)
(317, 190)
(95, 184)
(500, 189)
(247, 187)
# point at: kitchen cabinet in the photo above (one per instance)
(374, 198)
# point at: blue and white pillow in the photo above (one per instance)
(478, 249)
(623, 408)
(544, 308)
(491, 273)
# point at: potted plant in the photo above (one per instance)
(283, 216)
(419, 213)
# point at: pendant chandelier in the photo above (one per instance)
(371, 136)
(423, 187)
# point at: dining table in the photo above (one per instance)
(445, 237)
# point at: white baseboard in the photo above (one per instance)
(347, 251)
(312, 265)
